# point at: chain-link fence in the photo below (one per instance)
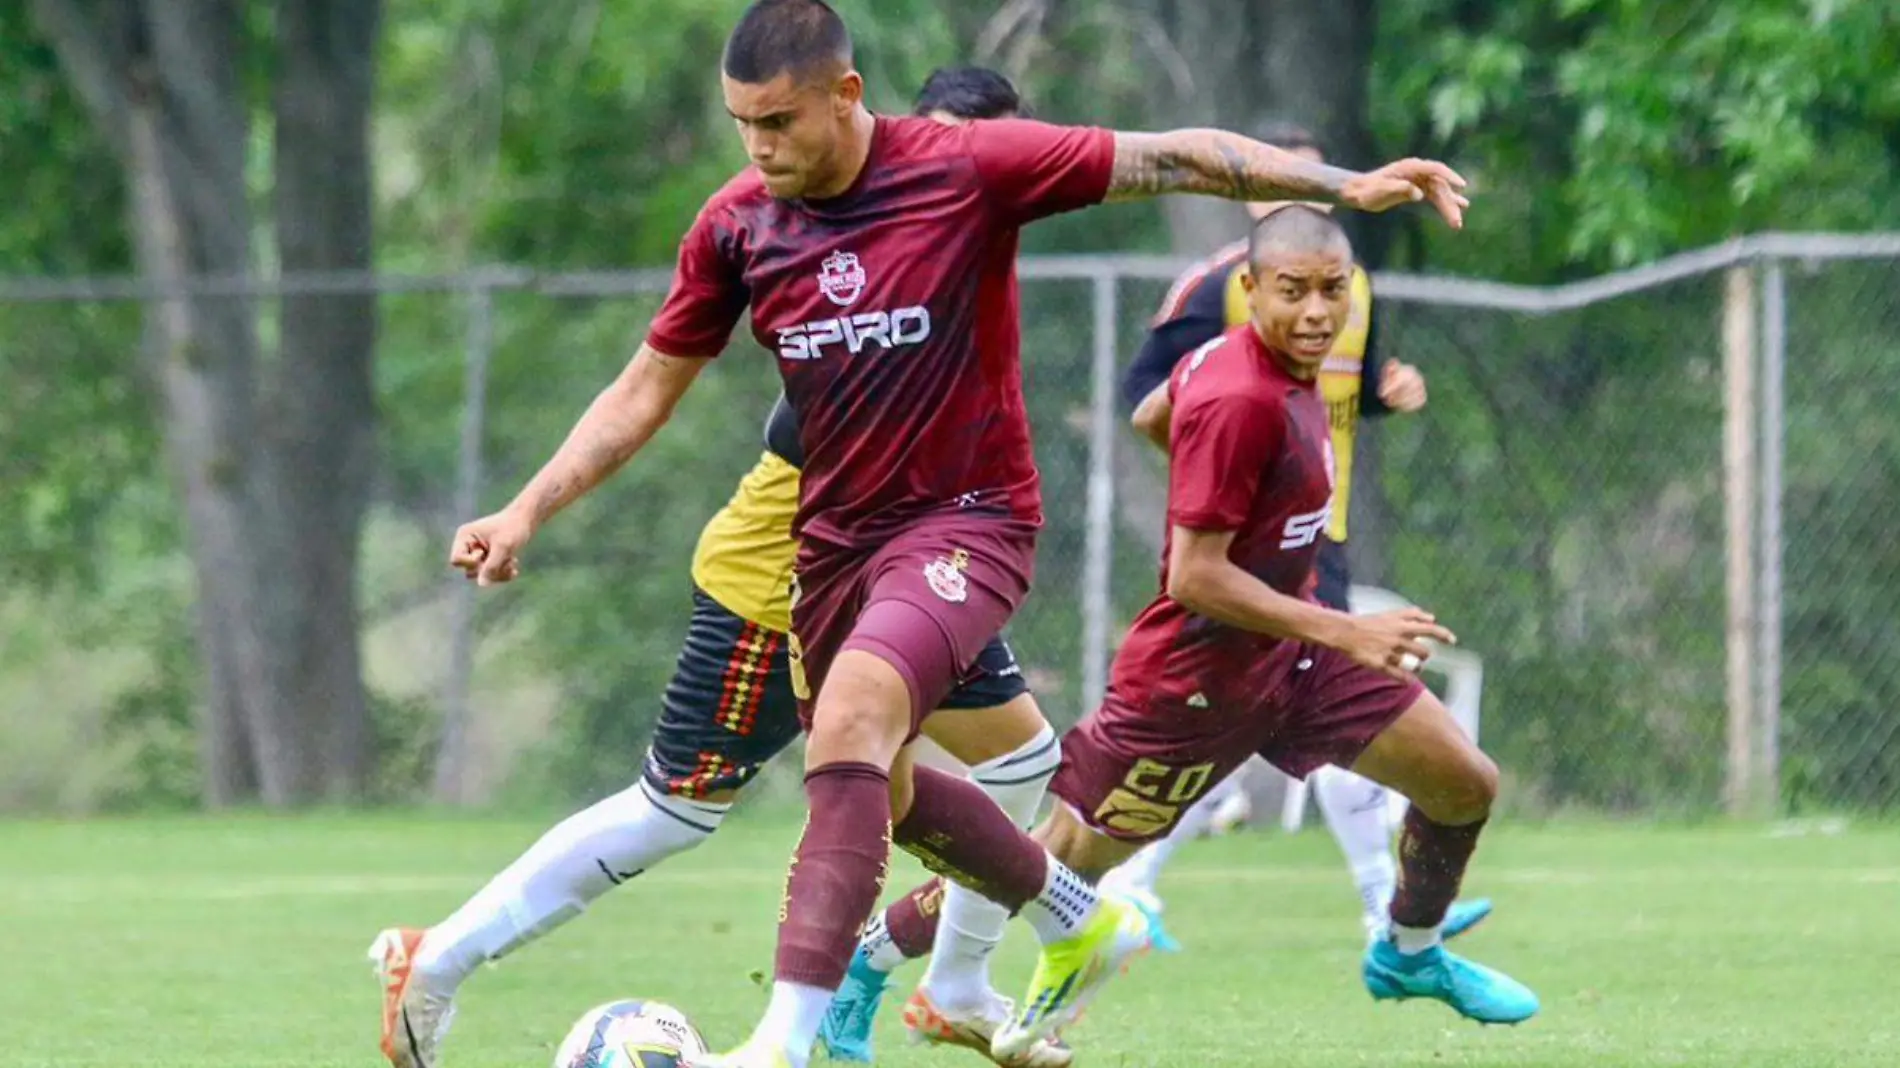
(1656, 504)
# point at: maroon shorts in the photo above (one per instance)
(926, 602)
(1136, 764)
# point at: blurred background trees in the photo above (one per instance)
(224, 512)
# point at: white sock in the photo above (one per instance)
(972, 925)
(792, 1019)
(1358, 812)
(1065, 906)
(880, 950)
(581, 858)
(1411, 940)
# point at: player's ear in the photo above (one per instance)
(1247, 281)
(848, 93)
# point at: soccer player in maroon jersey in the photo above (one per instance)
(877, 257)
(1236, 655)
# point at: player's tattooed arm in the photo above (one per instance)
(1222, 164)
(620, 421)
(1218, 163)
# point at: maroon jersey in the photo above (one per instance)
(893, 310)
(1251, 452)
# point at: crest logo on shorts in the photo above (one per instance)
(945, 575)
(841, 278)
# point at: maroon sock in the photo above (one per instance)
(836, 874)
(1432, 859)
(960, 834)
(912, 919)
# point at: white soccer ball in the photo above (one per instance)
(633, 1033)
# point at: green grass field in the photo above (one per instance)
(238, 942)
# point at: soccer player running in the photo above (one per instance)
(1235, 656)
(1238, 657)
(728, 710)
(877, 256)
(1205, 302)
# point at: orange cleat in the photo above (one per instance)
(414, 1019)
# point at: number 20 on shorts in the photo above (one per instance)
(1151, 797)
(1158, 782)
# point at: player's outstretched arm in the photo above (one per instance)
(622, 419)
(1205, 581)
(1222, 164)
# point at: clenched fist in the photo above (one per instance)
(487, 549)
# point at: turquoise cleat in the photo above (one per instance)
(845, 1034)
(1158, 935)
(1463, 916)
(1471, 989)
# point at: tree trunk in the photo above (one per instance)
(323, 406)
(177, 92)
(164, 79)
(1231, 90)
(1298, 61)
(1259, 60)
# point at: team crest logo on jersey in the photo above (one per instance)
(841, 278)
(945, 576)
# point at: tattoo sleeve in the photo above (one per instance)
(1217, 163)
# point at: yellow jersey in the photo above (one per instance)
(745, 553)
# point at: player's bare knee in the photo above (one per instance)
(1467, 795)
(855, 731)
(863, 714)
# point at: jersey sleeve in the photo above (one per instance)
(1033, 169)
(1202, 317)
(707, 297)
(1221, 445)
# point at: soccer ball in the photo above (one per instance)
(630, 1034)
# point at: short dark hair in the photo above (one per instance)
(1280, 133)
(969, 93)
(1296, 228)
(776, 36)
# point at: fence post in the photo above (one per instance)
(1774, 358)
(451, 761)
(1738, 478)
(1099, 546)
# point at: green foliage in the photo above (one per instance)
(154, 723)
(408, 735)
(1614, 132)
(75, 424)
(582, 134)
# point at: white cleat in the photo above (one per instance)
(1116, 884)
(976, 1030)
(414, 1019)
(1233, 813)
